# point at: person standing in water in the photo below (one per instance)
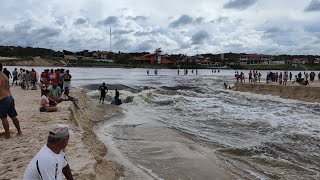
(103, 89)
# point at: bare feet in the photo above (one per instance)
(19, 133)
(7, 136)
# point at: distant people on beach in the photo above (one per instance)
(312, 76)
(178, 72)
(155, 72)
(15, 76)
(7, 73)
(103, 91)
(147, 72)
(50, 162)
(44, 103)
(7, 105)
(67, 80)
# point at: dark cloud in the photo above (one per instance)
(46, 32)
(146, 33)
(23, 26)
(121, 32)
(138, 18)
(123, 44)
(111, 20)
(199, 20)
(199, 37)
(273, 30)
(239, 4)
(313, 6)
(220, 20)
(144, 47)
(313, 28)
(80, 21)
(182, 21)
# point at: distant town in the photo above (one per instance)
(159, 58)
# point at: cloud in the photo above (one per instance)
(138, 18)
(121, 32)
(313, 6)
(220, 20)
(182, 21)
(239, 4)
(111, 20)
(80, 21)
(199, 37)
(199, 20)
(145, 46)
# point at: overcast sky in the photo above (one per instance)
(177, 26)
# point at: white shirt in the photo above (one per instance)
(46, 99)
(50, 165)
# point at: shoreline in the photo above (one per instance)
(290, 91)
(85, 153)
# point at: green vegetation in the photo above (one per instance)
(123, 59)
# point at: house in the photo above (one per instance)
(145, 59)
(67, 55)
(317, 61)
(299, 61)
(255, 59)
(101, 55)
(155, 58)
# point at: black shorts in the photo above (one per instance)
(7, 107)
(103, 94)
(15, 79)
(42, 109)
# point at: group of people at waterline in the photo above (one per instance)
(281, 77)
(185, 71)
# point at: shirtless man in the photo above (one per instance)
(7, 105)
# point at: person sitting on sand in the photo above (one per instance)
(50, 161)
(66, 97)
(7, 106)
(55, 92)
(44, 105)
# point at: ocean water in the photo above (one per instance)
(172, 125)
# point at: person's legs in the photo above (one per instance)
(16, 124)
(13, 115)
(5, 124)
(52, 109)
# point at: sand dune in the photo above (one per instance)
(85, 153)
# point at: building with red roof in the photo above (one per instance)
(155, 58)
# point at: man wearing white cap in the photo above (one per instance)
(50, 162)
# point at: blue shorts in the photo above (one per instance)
(7, 107)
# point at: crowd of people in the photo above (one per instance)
(279, 77)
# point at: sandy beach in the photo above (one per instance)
(290, 91)
(85, 153)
